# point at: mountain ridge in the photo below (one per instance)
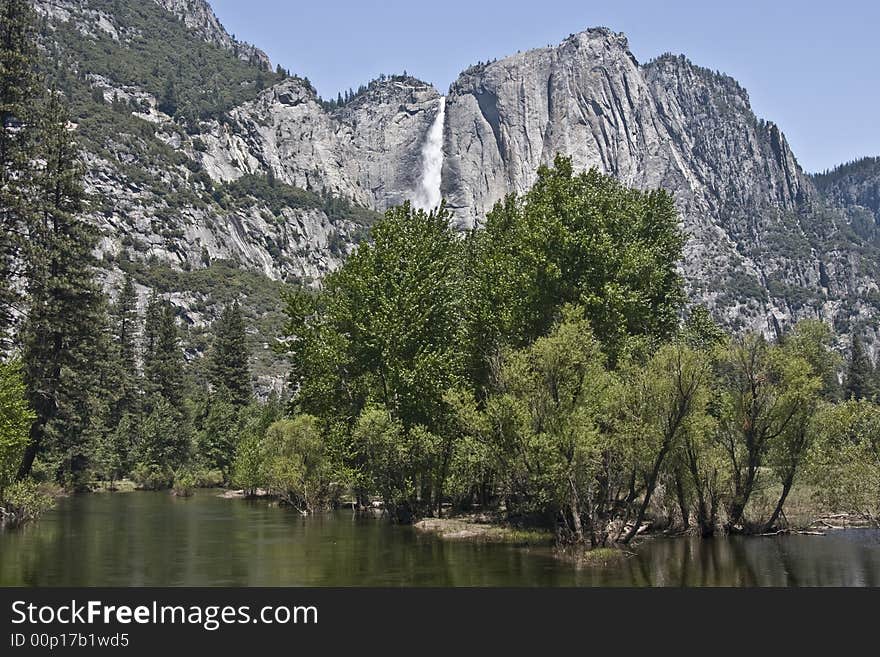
(766, 247)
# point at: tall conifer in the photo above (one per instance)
(228, 366)
(20, 95)
(63, 336)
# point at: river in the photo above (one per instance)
(155, 539)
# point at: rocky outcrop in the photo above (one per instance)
(369, 150)
(666, 124)
(290, 244)
(764, 248)
(200, 18)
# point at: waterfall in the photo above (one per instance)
(427, 196)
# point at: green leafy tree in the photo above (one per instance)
(16, 418)
(321, 365)
(386, 331)
(584, 239)
(395, 462)
(813, 340)
(297, 467)
(664, 401)
(472, 468)
(845, 458)
(765, 394)
(700, 331)
(398, 302)
(809, 344)
(249, 465)
(544, 427)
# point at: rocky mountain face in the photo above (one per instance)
(159, 203)
(368, 150)
(276, 180)
(855, 186)
(198, 16)
(666, 124)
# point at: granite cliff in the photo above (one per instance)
(231, 161)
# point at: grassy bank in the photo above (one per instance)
(479, 529)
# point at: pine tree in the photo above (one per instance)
(860, 372)
(163, 356)
(63, 337)
(113, 431)
(125, 333)
(219, 433)
(168, 103)
(162, 445)
(19, 100)
(228, 367)
(162, 441)
(151, 325)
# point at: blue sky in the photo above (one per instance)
(812, 67)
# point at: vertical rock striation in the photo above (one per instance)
(666, 124)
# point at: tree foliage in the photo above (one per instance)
(16, 417)
(584, 239)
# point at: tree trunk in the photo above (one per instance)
(682, 502)
(705, 520)
(741, 498)
(650, 485)
(786, 489)
(574, 507)
(30, 453)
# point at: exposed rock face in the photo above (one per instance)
(665, 124)
(668, 123)
(765, 247)
(294, 243)
(200, 18)
(369, 150)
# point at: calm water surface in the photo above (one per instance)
(154, 539)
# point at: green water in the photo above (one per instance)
(154, 539)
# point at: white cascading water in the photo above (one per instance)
(427, 196)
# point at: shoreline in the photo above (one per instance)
(479, 528)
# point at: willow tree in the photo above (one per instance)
(664, 401)
(811, 374)
(544, 421)
(844, 464)
(764, 394)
